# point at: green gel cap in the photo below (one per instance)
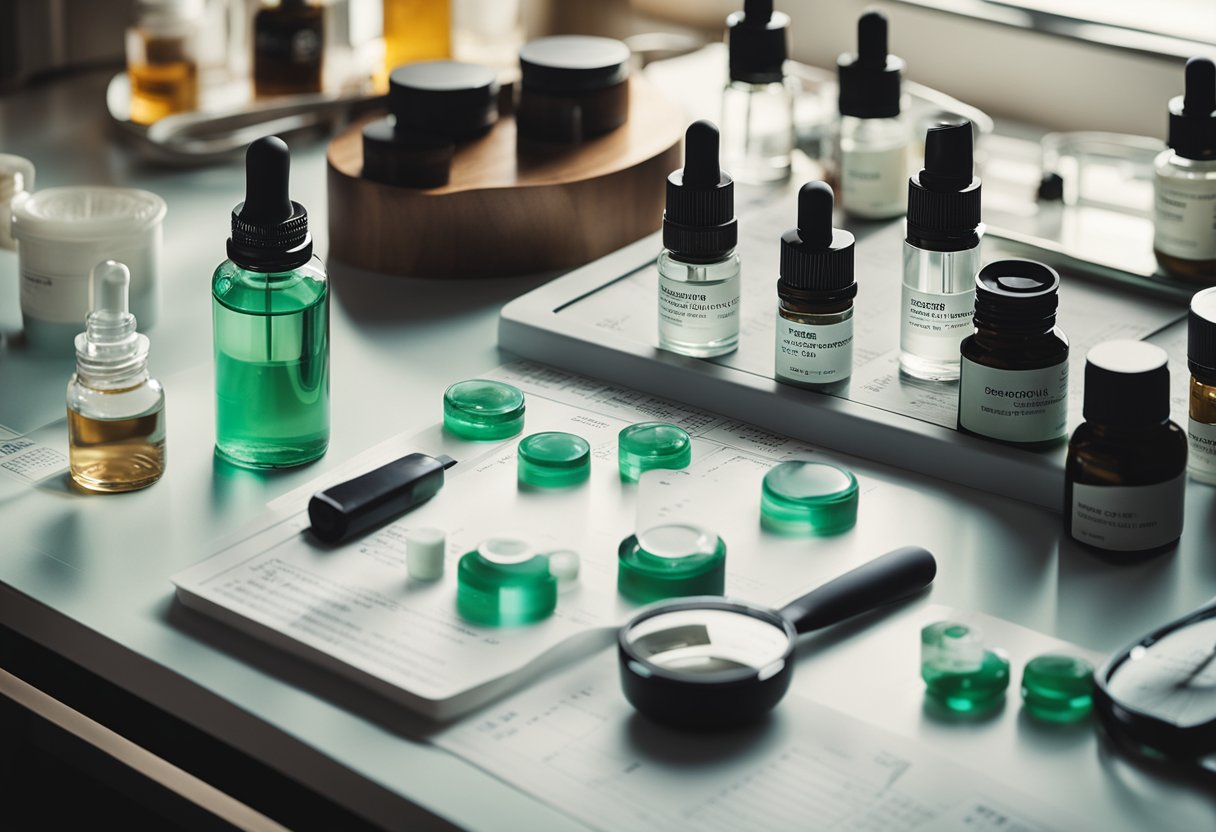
(649, 445)
(483, 410)
(959, 672)
(1057, 687)
(504, 584)
(671, 561)
(808, 498)
(554, 460)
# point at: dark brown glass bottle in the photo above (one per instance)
(1125, 477)
(1013, 382)
(288, 48)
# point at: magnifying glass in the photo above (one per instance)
(711, 662)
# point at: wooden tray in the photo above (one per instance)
(507, 209)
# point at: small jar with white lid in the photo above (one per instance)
(63, 233)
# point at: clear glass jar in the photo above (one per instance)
(872, 166)
(758, 131)
(1184, 216)
(162, 59)
(699, 305)
(116, 434)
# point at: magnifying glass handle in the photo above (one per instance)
(888, 578)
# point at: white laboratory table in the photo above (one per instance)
(85, 578)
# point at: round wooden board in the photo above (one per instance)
(506, 209)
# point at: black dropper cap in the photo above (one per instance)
(269, 231)
(1016, 296)
(1193, 114)
(699, 224)
(1201, 335)
(756, 39)
(870, 80)
(1127, 384)
(817, 259)
(944, 198)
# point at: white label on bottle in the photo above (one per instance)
(1014, 405)
(1203, 450)
(874, 182)
(1185, 217)
(695, 311)
(814, 354)
(54, 298)
(1128, 518)
(934, 325)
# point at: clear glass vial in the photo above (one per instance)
(1201, 359)
(815, 296)
(758, 101)
(699, 268)
(872, 138)
(1184, 180)
(270, 305)
(1014, 382)
(162, 59)
(116, 411)
(941, 256)
(1125, 475)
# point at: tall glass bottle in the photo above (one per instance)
(116, 411)
(162, 59)
(270, 305)
(758, 102)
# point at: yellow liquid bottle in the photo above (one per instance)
(415, 30)
(162, 61)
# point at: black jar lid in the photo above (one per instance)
(446, 98)
(1201, 332)
(1016, 294)
(1127, 384)
(573, 63)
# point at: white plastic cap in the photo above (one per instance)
(564, 566)
(424, 553)
(111, 286)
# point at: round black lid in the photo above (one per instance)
(1193, 114)
(1127, 384)
(756, 37)
(944, 198)
(1016, 295)
(444, 97)
(815, 257)
(573, 63)
(1201, 332)
(870, 80)
(269, 231)
(699, 223)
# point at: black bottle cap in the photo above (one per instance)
(870, 80)
(410, 159)
(1127, 384)
(1016, 295)
(269, 231)
(817, 259)
(573, 64)
(756, 38)
(699, 223)
(1193, 114)
(1201, 333)
(447, 98)
(944, 198)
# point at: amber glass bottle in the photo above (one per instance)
(288, 48)
(1201, 358)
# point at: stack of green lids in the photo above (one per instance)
(503, 584)
(483, 410)
(808, 498)
(670, 561)
(554, 460)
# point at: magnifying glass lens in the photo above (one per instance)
(1174, 678)
(705, 642)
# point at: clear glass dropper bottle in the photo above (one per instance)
(758, 102)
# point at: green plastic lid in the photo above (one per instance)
(1057, 687)
(808, 498)
(960, 673)
(649, 445)
(483, 410)
(554, 459)
(671, 561)
(504, 584)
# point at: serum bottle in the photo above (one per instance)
(872, 147)
(1125, 475)
(1184, 181)
(758, 102)
(815, 295)
(116, 411)
(1201, 358)
(699, 281)
(270, 314)
(941, 256)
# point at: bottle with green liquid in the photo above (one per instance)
(270, 305)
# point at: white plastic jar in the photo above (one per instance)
(62, 234)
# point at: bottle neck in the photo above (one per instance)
(1111, 432)
(989, 336)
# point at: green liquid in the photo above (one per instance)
(271, 336)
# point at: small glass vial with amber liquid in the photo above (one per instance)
(162, 59)
(116, 411)
(1201, 359)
